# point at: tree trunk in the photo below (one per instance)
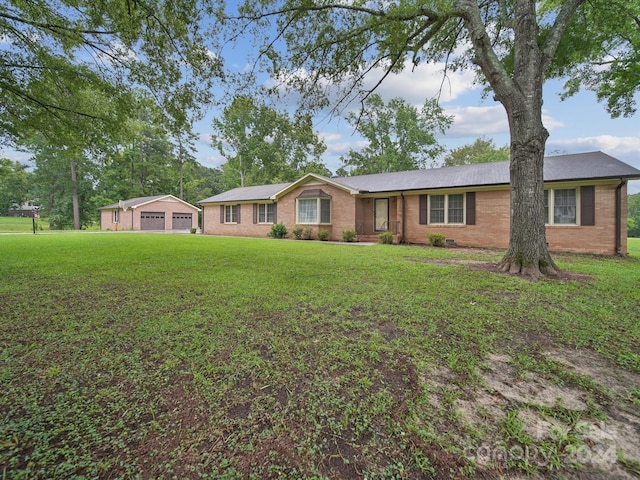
(527, 253)
(74, 196)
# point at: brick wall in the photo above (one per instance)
(599, 238)
(130, 220)
(492, 225)
(343, 213)
(490, 230)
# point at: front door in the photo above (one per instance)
(381, 215)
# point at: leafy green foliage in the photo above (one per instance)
(436, 239)
(481, 151)
(100, 50)
(633, 213)
(264, 146)
(297, 231)
(400, 137)
(349, 235)
(323, 235)
(386, 238)
(14, 184)
(279, 230)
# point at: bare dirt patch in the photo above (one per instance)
(490, 266)
(533, 424)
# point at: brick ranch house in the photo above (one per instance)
(585, 201)
(161, 212)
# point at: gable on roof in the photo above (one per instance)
(314, 179)
(141, 201)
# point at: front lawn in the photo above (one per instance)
(189, 356)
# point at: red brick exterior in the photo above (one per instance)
(491, 228)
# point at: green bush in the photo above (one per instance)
(436, 239)
(386, 238)
(297, 232)
(349, 235)
(278, 231)
(323, 235)
(193, 230)
(307, 233)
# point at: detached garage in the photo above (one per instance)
(158, 213)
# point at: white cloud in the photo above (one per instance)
(428, 80)
(615, 146)
(477, 121)
(117, 51)
(205, 138)
(339, 144)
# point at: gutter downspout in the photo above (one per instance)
(403, 216)
(619, 251)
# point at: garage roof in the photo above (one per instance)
(140, 201)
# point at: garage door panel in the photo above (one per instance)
(152, 221)
(181, 221)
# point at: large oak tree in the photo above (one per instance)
(514, 45)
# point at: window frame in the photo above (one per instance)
(231, 214)
(319, 211)
(550, 206)
(266, 210)
(116, 216)
(446, 209)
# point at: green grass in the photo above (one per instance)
(184, 356)
(20, 224)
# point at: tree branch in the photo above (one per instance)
(557, 31)
(486, 58)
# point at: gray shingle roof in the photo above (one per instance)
(583, 166)
(138, 201)
(134, 202)
(259, 192)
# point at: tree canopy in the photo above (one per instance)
(57, 46)
(14, 185)
(262, 145)
(634, 215)
(481, 151)
(399, 136)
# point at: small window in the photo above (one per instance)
(266, 213)
(231, 213)
(116, 216)
(446, 208)
(561, 206)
